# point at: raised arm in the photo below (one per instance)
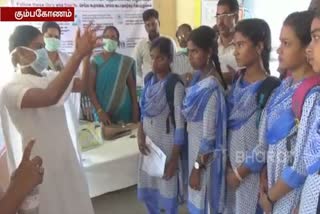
(80, 84)
(43, 97)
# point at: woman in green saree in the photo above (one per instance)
(112, 83)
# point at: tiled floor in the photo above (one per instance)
(121, 202)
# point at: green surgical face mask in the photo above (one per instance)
(52, 44)
(110, 45)
(183, 50)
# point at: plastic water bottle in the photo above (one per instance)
(31, 203)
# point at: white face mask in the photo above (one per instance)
(40, 63)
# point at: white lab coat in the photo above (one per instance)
(64, 189)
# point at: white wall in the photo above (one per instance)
(275, 12)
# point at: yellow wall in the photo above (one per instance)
(176, 12)
(185, 12)
(4, 2)
(167, 12)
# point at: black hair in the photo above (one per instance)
(300, 22)
(232, 4)
(47, 25)
(164, 45)
(316, 12)
(23, 35)
(187, 26)
(215, 28)
(112, 28)
(257, 30)
(205, 38)
(150, 13)
(314, 5)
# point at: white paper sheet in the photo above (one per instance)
(154, 163)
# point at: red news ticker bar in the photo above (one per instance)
(37, 14)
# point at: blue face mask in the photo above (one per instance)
(40, 63)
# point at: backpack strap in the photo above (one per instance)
(300, 94)
(318, 208)
(173, 79)
(298, 99)
(264, 92)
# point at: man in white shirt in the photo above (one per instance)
(142, 49)
(227, 17)
(181, 64)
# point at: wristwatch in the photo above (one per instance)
(197, 165)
